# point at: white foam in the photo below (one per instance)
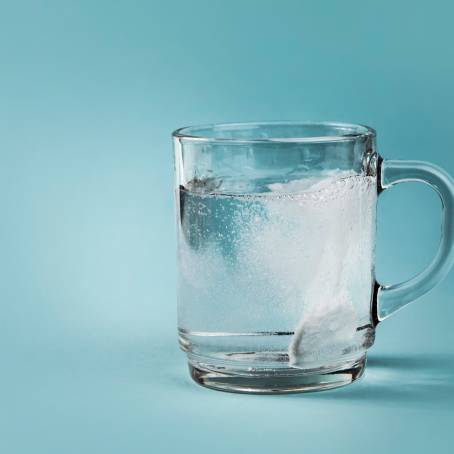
(311, 184)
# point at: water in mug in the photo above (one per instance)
(278, 274)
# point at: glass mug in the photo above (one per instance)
(276, 238)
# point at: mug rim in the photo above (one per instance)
(347, 132)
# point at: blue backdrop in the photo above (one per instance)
(89, 93)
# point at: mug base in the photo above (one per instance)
(277, 381)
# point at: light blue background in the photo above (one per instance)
(89, 93)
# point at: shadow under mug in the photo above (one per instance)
(276, 240)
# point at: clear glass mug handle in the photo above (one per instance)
(390, 298)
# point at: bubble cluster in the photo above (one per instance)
(296, 258)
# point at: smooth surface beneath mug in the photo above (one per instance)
(90, 92)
